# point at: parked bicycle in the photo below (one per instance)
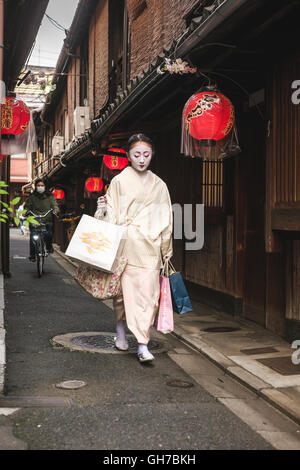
(71, 218)
(38, 238)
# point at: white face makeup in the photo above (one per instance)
(140, 156)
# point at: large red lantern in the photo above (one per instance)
(116, 163)
(208, 116)
(59, 194)
(15, 117)
(94, 184)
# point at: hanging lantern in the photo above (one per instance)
(208, 126)
(94, 184)
(1, 158)
(59, 194)
(208, 117)
(116, 163)
(15, 117)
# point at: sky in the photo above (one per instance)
(49, 40)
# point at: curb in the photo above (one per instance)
(264, 390)
(2, 336)
(65, 257)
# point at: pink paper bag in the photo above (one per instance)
(164, 320)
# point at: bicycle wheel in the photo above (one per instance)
(39, 258)
(43, 251)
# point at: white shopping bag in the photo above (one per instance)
(96, 243)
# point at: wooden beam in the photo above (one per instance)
(288, 220)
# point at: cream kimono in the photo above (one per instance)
(145, 209)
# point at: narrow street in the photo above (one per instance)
(124, 405)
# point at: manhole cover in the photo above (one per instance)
(71, 384)
(102, 343)
(220, 329)
(107, 342)
(180, 384)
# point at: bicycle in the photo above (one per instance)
(73, 224)
(39, 242)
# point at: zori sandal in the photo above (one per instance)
(145, 357)
(123, 347)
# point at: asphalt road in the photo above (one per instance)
(124, 405)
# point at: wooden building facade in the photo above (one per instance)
(249, 264)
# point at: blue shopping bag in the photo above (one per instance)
(180, 297)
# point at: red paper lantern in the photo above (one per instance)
(94, 184)
(208, 117)
(116, 163)
(15, 117)
(59, 194)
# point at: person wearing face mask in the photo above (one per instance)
(40, 202)
(139, 200)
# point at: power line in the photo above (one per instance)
(56, 24)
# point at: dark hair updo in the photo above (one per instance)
(140, 138)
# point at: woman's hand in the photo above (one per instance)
(102, 202)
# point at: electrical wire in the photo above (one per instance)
(243, 89)
(56, 24)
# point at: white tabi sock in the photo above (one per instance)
(121, 333)
(143, 349)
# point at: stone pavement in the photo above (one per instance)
(258, 359)
(239, 353)
(234, 344)
(124, 405)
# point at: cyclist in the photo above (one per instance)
(40, 202)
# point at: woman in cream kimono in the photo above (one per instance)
(140, 200)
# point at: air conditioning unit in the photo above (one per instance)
(81, 120)
(57, 145)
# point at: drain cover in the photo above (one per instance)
(282, 365)
(220, 329)
(180, 384)
(107, 342)
(254, 351)
(71, 384)
(29, 402)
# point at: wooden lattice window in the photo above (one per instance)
(212, 183)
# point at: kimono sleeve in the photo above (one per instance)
(166, 236)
